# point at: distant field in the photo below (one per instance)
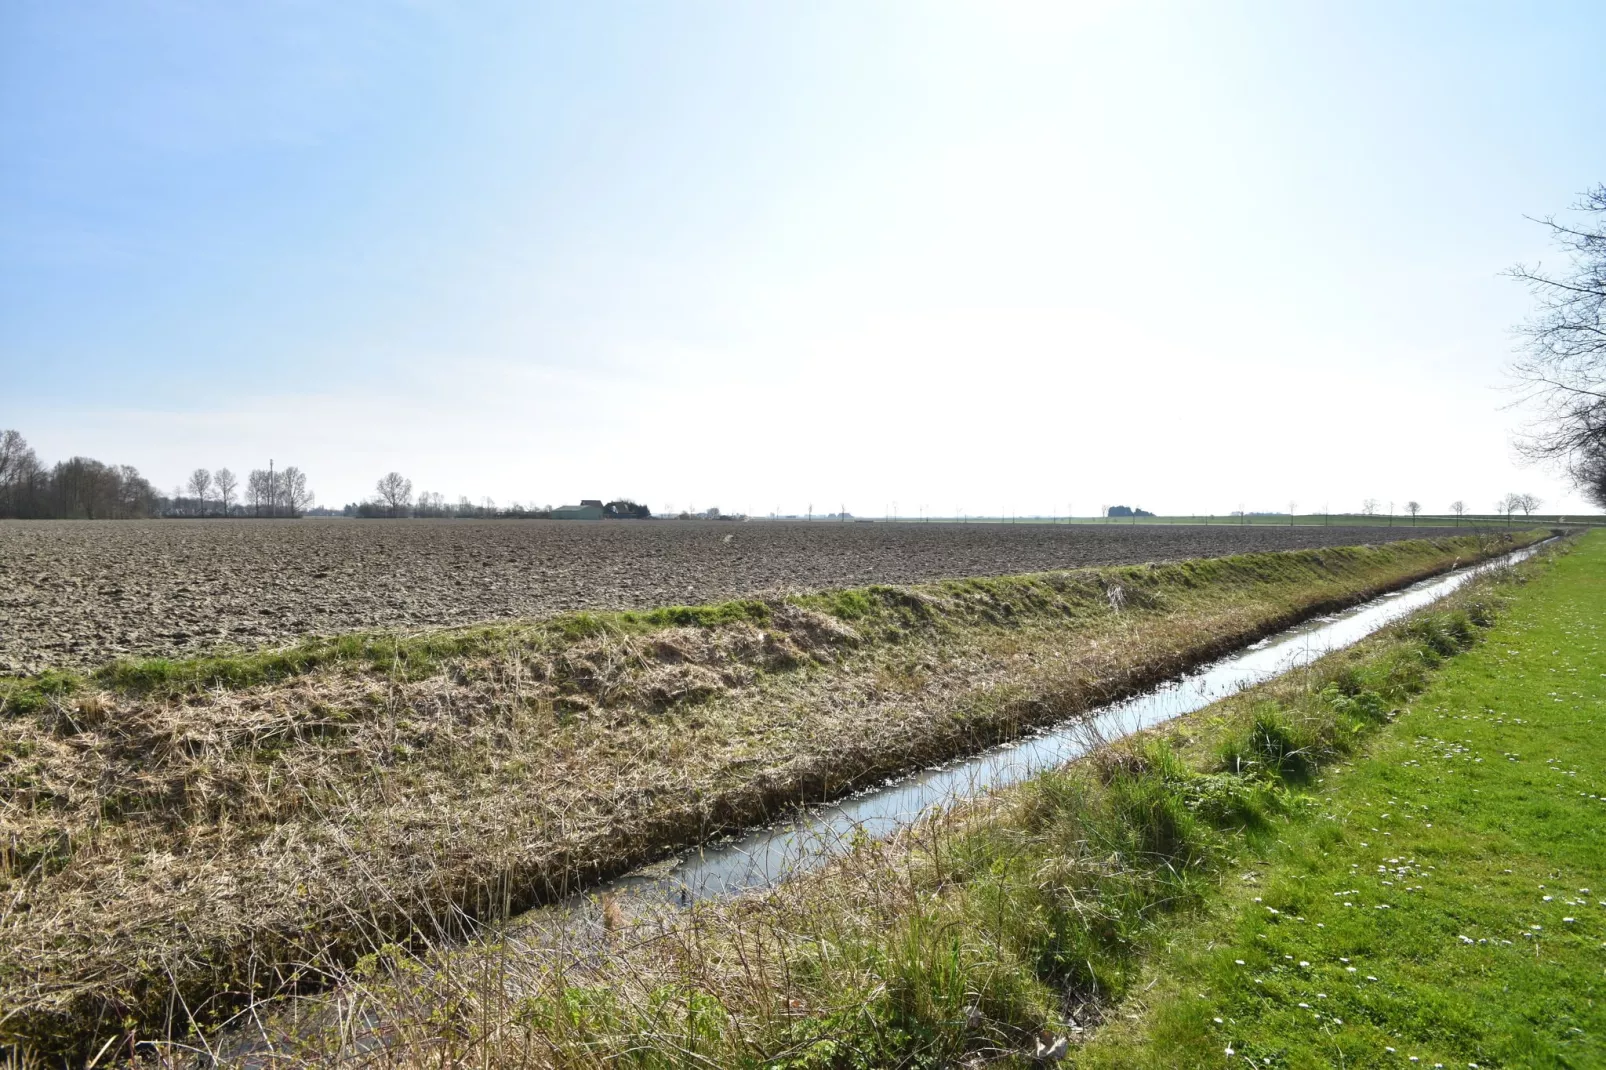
(77, 593)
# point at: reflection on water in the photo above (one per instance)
(767, 856)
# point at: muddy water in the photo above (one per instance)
(770, 855)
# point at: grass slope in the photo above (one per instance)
(1444, 899)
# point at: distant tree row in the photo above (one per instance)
(83, 488)
(268, 492)
(79, 487)
(393, 498)
(1511, 503)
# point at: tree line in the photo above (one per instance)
(267, 492)
(82, 488)
(79, 487)
(393, 498)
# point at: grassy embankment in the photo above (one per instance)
(1469, 521)
(1393, 859)
(1448, 892)
(181, 837)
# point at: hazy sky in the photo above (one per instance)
(977, 256)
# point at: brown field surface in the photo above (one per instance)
(78, 593)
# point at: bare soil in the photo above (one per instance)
(75, 594)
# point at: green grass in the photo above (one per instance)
(1483, 806)
(1398, 520)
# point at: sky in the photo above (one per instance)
(985, 258)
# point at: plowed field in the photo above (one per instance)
(78, 593)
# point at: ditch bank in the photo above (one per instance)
(188, 837)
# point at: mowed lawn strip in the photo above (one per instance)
(1440, 901)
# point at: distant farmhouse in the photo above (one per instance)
(593, 509)
(588, 509)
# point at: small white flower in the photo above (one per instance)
(1302, 962)
(1230, 1052)
(1239, 961)
(1216, 1020)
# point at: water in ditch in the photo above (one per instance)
(765, 857)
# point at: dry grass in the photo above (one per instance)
(169, 855)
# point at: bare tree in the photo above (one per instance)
(1413, 508)
(1590, 473)
(1563, 367)
(259, 490)
(14, 449)
(1509, 504)
(22, 477)
(1459, 508)
(200, 483)
(293, 492)
(226, 485)
(1369, 507)
(1528, 503)
(395, 492)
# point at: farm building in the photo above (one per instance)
(588, 509)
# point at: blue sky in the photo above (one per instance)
(982, 257)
